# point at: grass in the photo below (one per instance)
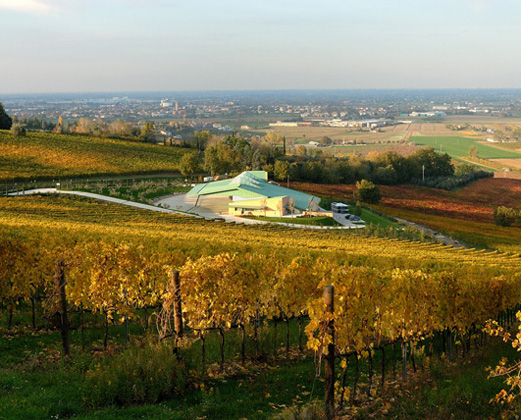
(313, 221)
(370, 217)
(55, 389)
(459, 147)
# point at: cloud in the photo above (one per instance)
(30, 6)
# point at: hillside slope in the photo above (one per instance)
(48, 155)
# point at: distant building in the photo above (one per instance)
(284, 124)
(427, 114)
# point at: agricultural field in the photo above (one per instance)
(47, 155)
(509, 163)
(116, 262)
(365, 149)
(487, 120)
(459, 147)
(305, 134)
(466, 214)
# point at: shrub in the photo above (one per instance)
(355, 210)
(505, 216)
(451, 183)
(136, 376)
(368, 192)
(311, 411)
(18, 130)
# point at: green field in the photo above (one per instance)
(458, 147)
(370, 217)
(48, 156)
(313, 221)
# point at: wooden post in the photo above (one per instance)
(329, 292)
(404, 359)
(59, 282)
(178, 311)
(33, 313)
(127, 338)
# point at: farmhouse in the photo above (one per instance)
(250, 193)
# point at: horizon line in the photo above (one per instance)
(261, 90)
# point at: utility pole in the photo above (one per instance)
(423, 172)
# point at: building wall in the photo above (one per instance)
(269, 207)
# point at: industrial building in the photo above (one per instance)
(250, 193)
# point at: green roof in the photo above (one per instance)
(251, 185)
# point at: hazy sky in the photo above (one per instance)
(149, 45)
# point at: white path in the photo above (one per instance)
(97, 197)
(182, 204)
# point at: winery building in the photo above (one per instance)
(250, 193)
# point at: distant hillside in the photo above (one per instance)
(47, 155)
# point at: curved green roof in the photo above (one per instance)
(250, 184)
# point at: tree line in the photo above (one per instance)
(234, 155)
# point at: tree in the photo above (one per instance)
(505, 216)
(368, 192)
(301, 150)
(202, 138)
(5, 120)
(59, 127)
(464, 169)
(281, 170)
(436, 164)
(18, 130)
(147, 132)
(325, 141)
(188, 164)
(219, 158)
(499, 135)
(473, 151)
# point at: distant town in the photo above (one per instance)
(284, 108)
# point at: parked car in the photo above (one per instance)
(353, 218)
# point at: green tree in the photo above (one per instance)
(147, 132)
(18, 130)
(281, 170)
(5, 120)
(367, 192)
(325, 141)
(505, 216)
(189, 164)
(219, 158)
(202, 138)
(59, 126)
(464, 169)
(473, 151)
(436, 164)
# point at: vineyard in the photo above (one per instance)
(195, 281)
(466, 214)
(47, 155)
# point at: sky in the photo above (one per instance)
(187, 45)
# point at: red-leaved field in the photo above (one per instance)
(466, 214)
